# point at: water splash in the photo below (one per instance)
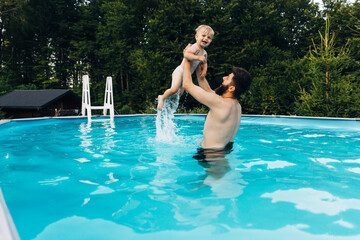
(165, 127)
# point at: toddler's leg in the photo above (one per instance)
(161, 101)
(175, 85)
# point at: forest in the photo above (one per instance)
(304, 59)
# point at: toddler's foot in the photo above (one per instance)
(160, 102)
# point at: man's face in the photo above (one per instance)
(228, 79)
(225, 84)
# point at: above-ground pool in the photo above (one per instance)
(286, 178)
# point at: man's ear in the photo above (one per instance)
(231, 89)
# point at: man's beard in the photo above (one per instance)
(221, 89)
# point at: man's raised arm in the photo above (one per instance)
(187, 80)
(207, 98)
(203, 83)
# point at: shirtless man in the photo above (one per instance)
(223, 118)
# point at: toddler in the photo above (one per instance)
(196, 54)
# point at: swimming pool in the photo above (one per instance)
(287, 178)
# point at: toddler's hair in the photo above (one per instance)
(206, 28)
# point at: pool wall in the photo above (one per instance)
(7, 228)
(4, 121)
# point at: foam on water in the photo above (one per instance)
(165, 126)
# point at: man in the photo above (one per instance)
(223, 118)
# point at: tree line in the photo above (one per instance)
(304, 60)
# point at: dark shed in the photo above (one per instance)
(40, 103)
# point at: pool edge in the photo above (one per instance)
(3, 121)
(7, 227)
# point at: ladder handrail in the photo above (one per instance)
(108, 99)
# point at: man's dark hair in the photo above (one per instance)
(241, 80)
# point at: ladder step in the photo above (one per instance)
(99, 107)
(101, 120)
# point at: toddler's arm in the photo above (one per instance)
(190, 54)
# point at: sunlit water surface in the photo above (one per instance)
(285, 179)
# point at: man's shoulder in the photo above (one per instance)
(228, 104)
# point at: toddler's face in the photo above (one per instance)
(203, 38)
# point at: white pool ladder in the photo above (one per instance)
(108, 99)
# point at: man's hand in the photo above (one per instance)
(202, 59)
(203, 73)
(203, 70)
(191, 56)
(187, 47)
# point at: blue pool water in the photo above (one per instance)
(285, 179)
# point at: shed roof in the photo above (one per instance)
(31, 99)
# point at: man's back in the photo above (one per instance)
(222, 123)
(223, 119)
